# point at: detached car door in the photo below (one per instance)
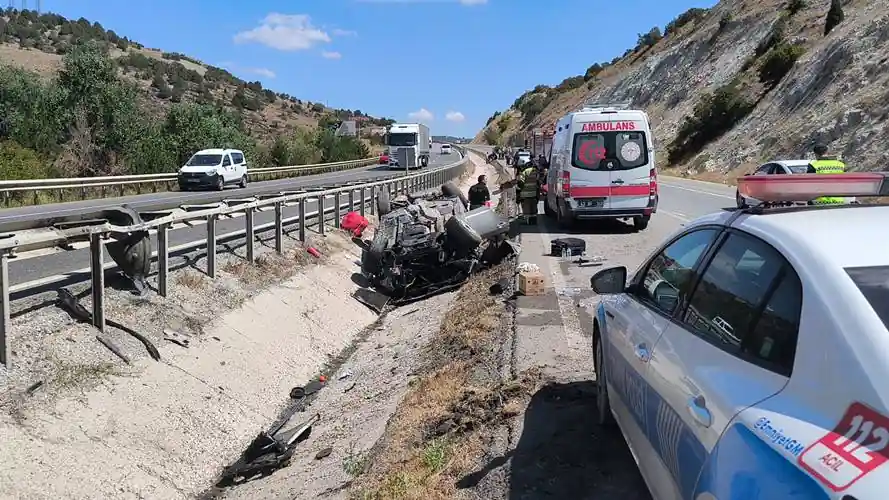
(719, 359)
(633, 324)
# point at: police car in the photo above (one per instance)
(748, 358)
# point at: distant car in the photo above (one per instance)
(747, 358)
(445, 149)
(213, 168)
(780, 167)
(384, 159)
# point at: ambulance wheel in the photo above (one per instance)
(564, 220)
(640, 223)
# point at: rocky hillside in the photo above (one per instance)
(742, 83)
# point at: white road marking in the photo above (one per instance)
(675, 215)
(710, 193)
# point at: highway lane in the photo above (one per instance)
(24, 269)
(12, 219)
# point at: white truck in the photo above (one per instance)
(409, 145)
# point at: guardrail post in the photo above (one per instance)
(211, 246)
(163, 258)
(352, 200)
(250, 235)
(322, 214)
(302, 219)
(373, 200)
(336, 210)
(279, 227)
(97, 273)
(4, 311)
(364, 202)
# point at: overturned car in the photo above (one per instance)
(428, 244)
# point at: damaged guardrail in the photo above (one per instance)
(125, 234)
(103, 187)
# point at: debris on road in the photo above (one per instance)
(426, 245)
(354, 223)
(113, 347)
(313, 252)
(176, 338)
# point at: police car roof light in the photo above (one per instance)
(806, 187)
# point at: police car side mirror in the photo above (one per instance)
(611, 280)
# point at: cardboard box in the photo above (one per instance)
(531, 283)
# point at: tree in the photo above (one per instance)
(834, 16)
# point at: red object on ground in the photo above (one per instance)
(488, 204)
(355, 223)
(313, 252)
(322, 378)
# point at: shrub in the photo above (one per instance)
(778, 62)
(834, 16)
(794, 6)
(19, 163)
(714, 115)
(687, 17)
(775, 37)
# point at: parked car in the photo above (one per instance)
(779, 167)
(213, 168)
(747, 358)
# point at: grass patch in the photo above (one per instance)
(192, 279)
(437, 434)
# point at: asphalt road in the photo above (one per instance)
(12, 219)
(25, 269)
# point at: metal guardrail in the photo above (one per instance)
(98, 232)
(10, 189)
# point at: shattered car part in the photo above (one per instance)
(130, 251)
(428, 244)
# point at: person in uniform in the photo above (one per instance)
(479, 194)
(529, 192)
(826, 164)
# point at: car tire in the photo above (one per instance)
(243, 182)
(641, 223)
(564, 221)
(739, 200)
(383, 204)
(549, 212)
(603, 406)
(220, 183)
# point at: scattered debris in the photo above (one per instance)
(176, 338)
(313, 252)
(113, 347)
(499, 287)
(323, 453)
(345, 374)
(527, 267)
(567, 247)
(33, 387)
(354, 223)
(70, 303)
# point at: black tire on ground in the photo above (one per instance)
(640, 223)
(451, 189)
(383, 205)
(603, 406)
(220, 183)
(243, 182)
(461, 236)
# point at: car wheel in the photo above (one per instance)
(603, 406)
(243, 183)
(640, 223)
(564, 221)
(383, 205)
(547, 210)
(220, 183)
(739, 200)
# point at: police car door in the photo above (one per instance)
(714, 362)
(634, 325)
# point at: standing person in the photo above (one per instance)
(479, 194)
(826, 164)
(529, 191)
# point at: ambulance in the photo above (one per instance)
(602, 166)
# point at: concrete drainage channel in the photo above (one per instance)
(166, 429)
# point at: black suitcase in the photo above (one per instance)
(576, 246)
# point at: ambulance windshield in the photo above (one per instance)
(609, 150)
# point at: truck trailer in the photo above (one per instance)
(409, 145)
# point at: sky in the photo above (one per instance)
(447, 63)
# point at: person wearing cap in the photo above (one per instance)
(826, 164)
(479, 194)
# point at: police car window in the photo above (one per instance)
(724, 307)
(873, 282)
(609, 150)
(773, 337)
(670, 272)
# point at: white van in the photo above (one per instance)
(602, 166)
(215, 168)
(445, 149)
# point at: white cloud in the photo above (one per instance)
(454, 116)
(331, 55)
(339, 32)
(288, 32)
(422, 114)
(244, 69)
